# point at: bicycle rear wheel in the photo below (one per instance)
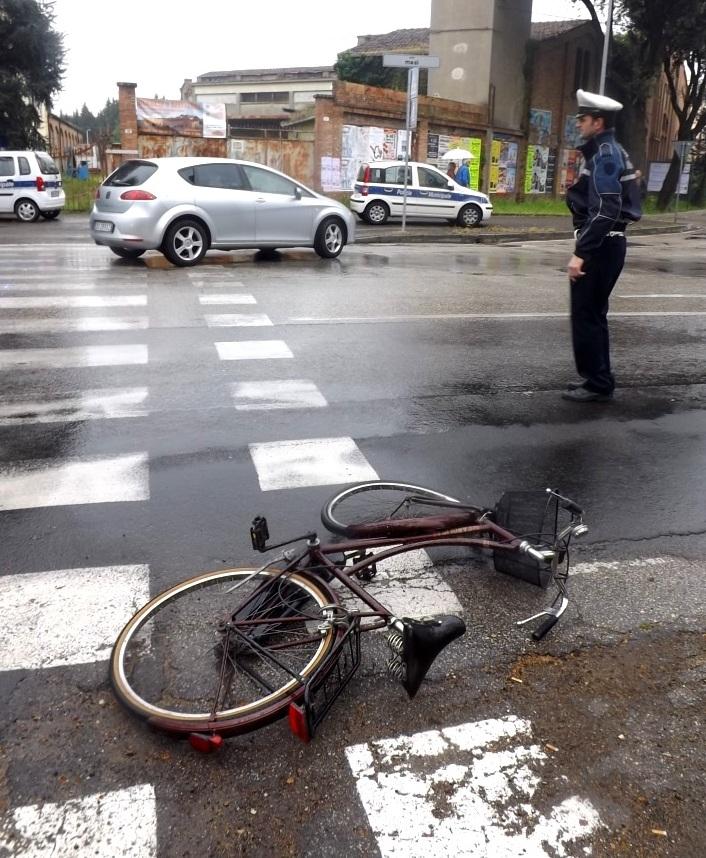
(387, 509)
(205, 656)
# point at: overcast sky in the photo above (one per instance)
(158, 43)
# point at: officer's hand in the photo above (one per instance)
(575, 268)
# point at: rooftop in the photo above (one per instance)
(296, 72)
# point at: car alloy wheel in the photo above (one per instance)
(26, 211)
(470, 216)
(330, 238)
(185, 243)
(377, 213)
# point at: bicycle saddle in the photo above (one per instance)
(423, 641)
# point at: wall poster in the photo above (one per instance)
(361, 144)
(540, 127)
(505, 173)
(536, 169)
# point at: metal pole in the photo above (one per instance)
(406, 149)
(681, 170)
(606, 44)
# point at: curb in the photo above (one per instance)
(459, 237)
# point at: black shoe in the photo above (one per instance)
(583, 394)
(574, 385)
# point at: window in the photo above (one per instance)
(24, 166)
(432, 179)
(7, 166)
(216, 175)
(389, 175)
(264, 97)
(131, 173)
(46, 165)
(267, 182)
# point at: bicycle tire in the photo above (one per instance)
(387, 509)
(161, 669)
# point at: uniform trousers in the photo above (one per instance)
(589, 311)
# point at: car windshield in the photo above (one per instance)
(131, 173)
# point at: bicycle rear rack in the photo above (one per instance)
(325, 684)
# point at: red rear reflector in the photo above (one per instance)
(137, 195)
(364, 190)
(40, 183)
(205, 743)
(298, 723)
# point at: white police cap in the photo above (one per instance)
(590, 103)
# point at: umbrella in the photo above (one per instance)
(456, 155)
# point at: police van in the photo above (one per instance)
(30, 185)
(379, 192)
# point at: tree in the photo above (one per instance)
(369, 70)
(686, 48)
(31, 69)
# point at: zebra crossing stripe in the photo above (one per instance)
(270, 395)
(98, 479)
(120, 822)
(77, 356)
(253, 350)
(89, 405)
(18, 325)
(67, 616)
(227, 299)
(34, 301)
(238, 320)
(309, 462)
(466, 791)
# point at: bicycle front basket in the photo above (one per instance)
(532, 516)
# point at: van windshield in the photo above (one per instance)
(46, 164)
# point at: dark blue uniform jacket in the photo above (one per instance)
(606, 197)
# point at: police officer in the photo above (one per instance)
(604, 200)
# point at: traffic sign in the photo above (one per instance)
(683, 147)
(406, 61)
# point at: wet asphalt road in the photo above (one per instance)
(443, 364)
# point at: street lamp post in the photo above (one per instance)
(606, 45)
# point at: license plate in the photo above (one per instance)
(53, 193)
(103, 226)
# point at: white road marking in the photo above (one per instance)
(465, 791)
(662, 295)
(639, 564)
(120, 822)
(238, 320)
(20, 325)
(78, 356)
(89, 405)
(363, 320)
(32, 302)
(67, 616)
(64, 482)
(310, 462)
(269, 395)
(227, 299)
(410, 587)
(253, 350)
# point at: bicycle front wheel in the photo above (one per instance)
(385, 509)
(223, 652)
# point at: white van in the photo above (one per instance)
(30, 185)
(378, 194)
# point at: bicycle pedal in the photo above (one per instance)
(205, 743)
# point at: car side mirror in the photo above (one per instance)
(297, 193)
(450, 186)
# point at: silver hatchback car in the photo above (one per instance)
(184, 206)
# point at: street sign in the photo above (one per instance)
(683, 147)
(406, 61)
(413, 95)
